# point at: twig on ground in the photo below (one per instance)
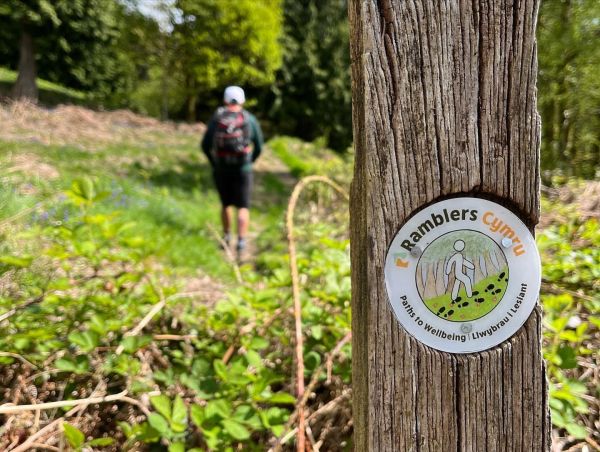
(40, 433)
(44, 446)
(228, 354)
(155, 309)
(22, 306)
(230, 257)
(311, 386)
(311, 439)
(8, 409)
(559, 290)
(19, 357)
(137, 403)
(335, 352)
(247, 329)
(147, 318)
(174, 337)
(301, 443)
(593, 443)
(328, 407)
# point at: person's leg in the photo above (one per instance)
(243, 221)
(226, 221)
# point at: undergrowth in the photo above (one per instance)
(85, 269)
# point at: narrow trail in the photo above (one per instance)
(31, 131)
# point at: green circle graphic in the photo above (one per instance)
(462, 275)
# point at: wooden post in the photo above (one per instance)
(444, 102)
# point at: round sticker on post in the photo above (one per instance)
(463, 275)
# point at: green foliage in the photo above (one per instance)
(74, 39)
(50, 93)
(571, 253)
(568, 87)
(223, 43)
(114, 245)
(312, 92)
(304, 159)
(76, 438)
(107, 286)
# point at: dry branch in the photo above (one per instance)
(296, 293)
(174, 337)
(301, 404)
(555, 289)
(22, 306)
(19, 357)
(228, 253)
(10, 409)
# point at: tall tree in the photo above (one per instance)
(218, 43)
(72, 41)
(569, 87)
(312, 92)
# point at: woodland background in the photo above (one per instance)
(112, 277)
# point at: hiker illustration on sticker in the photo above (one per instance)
(463, 275)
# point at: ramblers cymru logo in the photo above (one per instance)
(463, 275)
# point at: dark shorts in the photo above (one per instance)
(234, 188)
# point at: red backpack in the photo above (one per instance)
(232, 137)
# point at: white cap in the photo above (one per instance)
(234, 95)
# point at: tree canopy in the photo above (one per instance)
(218, 43)
(312, 93)
(71, 41)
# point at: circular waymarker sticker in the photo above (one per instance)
(463, 275)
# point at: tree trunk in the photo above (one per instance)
(444, 102)
(25, 87)
(191, 107)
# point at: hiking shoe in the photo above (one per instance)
(226, 241)
(240, 247)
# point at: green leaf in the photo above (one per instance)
(235, 429)
(127, 429)
(132, 344)
(74, 436)
(79, 365)
(317, 332)
(220, 408)
(248, 416)
(568, 357)
(177, 447)
(220, 369)
(179, 416)
(98, 324)
(576, 430)
(101, 442)
(258, 343)
(86, 188)
(197, 415)
(160, 424)
(86, 341)
(16, 261)
(282, 398)
(162, 404)
(254, 359)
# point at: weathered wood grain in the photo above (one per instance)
(444, 102)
